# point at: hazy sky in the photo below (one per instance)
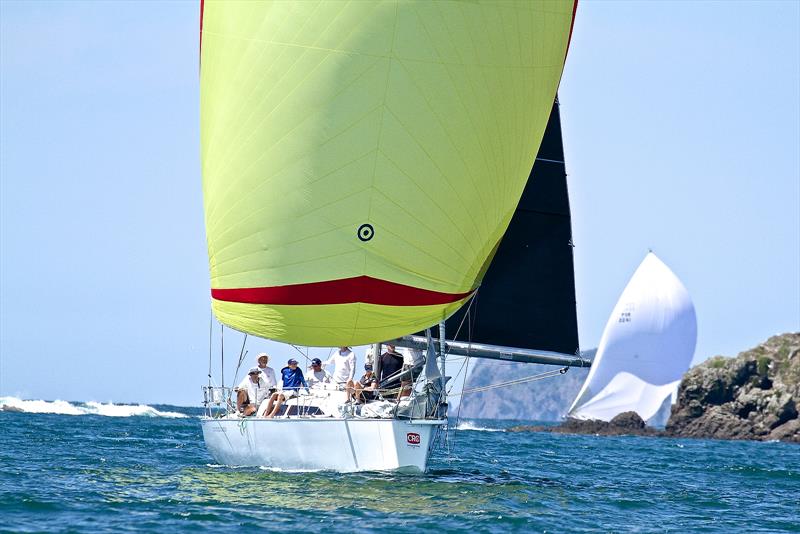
(681, 127)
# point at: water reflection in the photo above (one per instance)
(327, 491)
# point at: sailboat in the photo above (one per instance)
(646, 347)
(362, 163)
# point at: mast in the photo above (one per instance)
(376, 360)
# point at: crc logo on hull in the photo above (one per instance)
(413, 438)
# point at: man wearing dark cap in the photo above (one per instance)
(251, 392)
(292, 380)
(317, 375)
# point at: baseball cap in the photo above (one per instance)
(254, 370)
(316, 361)
(368, 367)
(291, 361)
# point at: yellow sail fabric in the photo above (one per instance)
(361, 160)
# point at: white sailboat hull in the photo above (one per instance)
(335, 444)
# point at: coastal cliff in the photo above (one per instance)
(752, 396)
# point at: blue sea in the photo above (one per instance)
(89, 467)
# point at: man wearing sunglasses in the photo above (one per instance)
(317, 376)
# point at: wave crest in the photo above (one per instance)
(469, 425)
(14, 404)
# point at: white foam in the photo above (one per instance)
(469, 425)
(282, 470)
(90, 408)
(126, 410)
(39, 406)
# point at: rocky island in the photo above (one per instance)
(625, 424)
(752, 396)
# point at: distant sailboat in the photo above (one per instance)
(646, 347)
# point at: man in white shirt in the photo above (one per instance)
(345, 362)
(413, 363)
(412, 357)
(267, 373)
(317, 375)
(251, 392)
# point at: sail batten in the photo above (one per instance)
(361, 160)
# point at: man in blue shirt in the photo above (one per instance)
(292, 380)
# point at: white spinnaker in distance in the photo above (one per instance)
(647, 346)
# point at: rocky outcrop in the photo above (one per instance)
(624, 424)
(755, 395)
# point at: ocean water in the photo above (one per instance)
(106, 468)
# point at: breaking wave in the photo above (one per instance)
(14, 404)
(469, 425)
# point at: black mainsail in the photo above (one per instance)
(527, 297)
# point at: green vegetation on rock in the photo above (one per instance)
(752, 396)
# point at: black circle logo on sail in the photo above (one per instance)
(365, 232)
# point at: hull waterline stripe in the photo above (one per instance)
(364, 289)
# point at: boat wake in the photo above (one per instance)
(14, 404)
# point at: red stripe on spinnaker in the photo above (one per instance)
(571, 26)
(202, 5)
(363, 289)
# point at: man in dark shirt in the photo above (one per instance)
(391, 363)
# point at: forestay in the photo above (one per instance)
(362, 160)
(647, 346)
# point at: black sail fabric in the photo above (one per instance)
(527, 297)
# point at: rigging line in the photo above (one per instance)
(303, 354)
(458, 331)
(466, 373)
(242, 354)
(210, 331)
(469, 307)
(449, 436)
(533, 378)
